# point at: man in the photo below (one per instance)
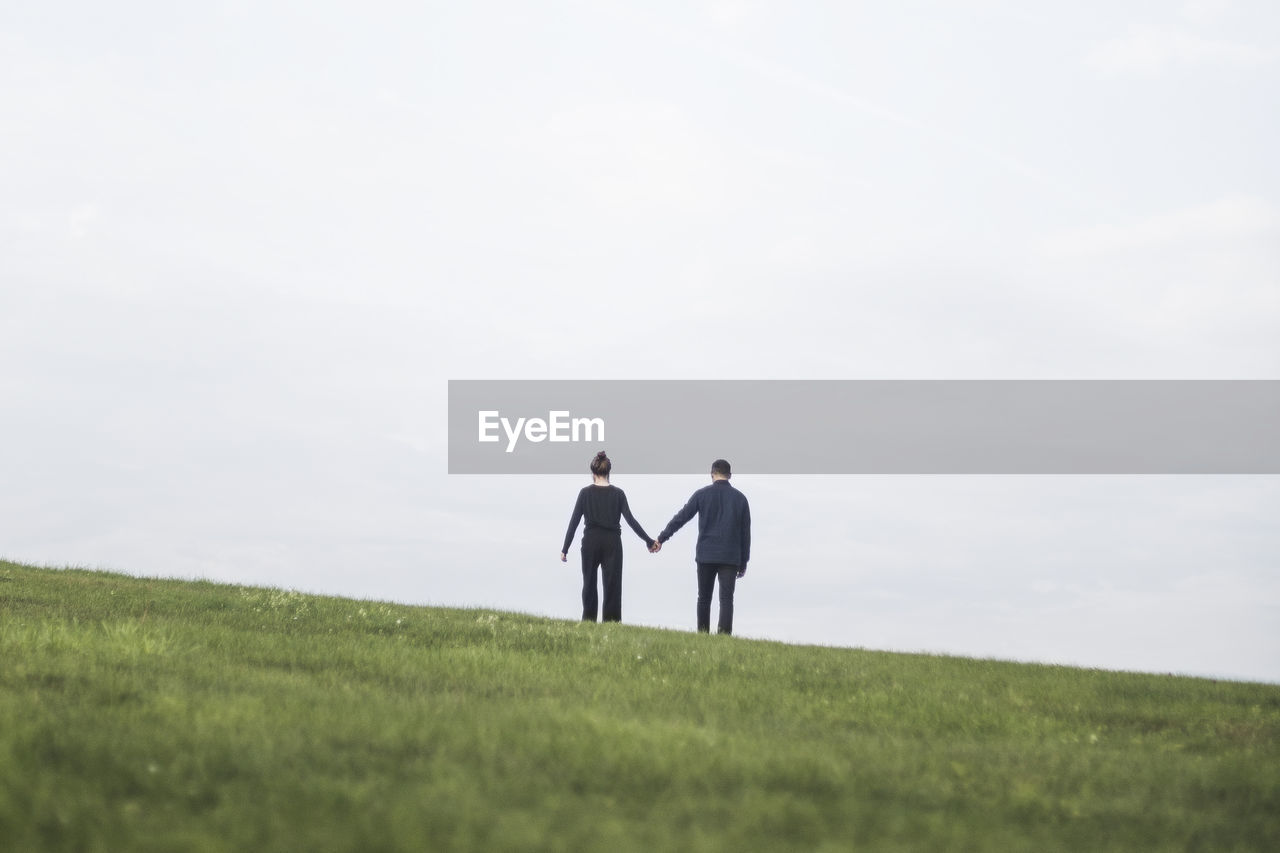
(724, 542)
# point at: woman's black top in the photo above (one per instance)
(602, 506)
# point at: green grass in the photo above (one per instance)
(142, 714)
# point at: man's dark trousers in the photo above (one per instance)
(707, 575)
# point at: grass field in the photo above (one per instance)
(162, 715)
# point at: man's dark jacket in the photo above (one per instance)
(724, 524)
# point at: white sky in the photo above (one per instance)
(243, 246)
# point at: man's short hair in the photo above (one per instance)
(721, 467)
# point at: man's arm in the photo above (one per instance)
(688, 511)
(746, 537)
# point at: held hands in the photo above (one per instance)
(655, 547)
(563, 557)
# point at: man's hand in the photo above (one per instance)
(564, 557)
(655, 547)
(742, 570)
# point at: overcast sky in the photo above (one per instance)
(244, 245)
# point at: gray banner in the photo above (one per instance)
(867, 426)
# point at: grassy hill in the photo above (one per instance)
(141, 714)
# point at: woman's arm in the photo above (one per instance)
(573, 527)
(631, 519)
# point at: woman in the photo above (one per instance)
(602, 504)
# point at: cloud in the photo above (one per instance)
(1187, 292)
(80, 219)
(1149, 53)
(1203, 11)
(1228, 218)
(733, 14)
(789, 76)
(624, 153)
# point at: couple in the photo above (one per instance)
(724, 541)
